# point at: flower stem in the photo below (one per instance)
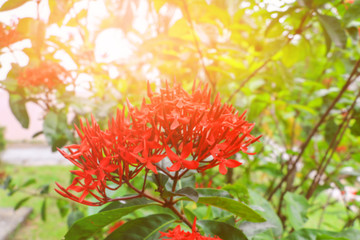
(181, 216)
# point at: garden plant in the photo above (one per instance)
(157, 103)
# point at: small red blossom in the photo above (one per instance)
(188, 130)
(47, 74)
(341, 149)
(178, 234)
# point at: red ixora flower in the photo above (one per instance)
(8, 35)
(178, 234)
(47, 74)
(173, 132)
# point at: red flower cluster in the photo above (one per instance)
(178, 234)
(188, 129)
(47, 74)
(8, 35)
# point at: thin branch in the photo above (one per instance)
(350, 79)
(197, 45)
(333, 145)
(181, 216)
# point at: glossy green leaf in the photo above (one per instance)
(267, 212)
(222, 230)
(212, 192)
(87, 226)
(238, 208)
(11, 4)
(73, 217)
(142, 228)
(188, 192)
(333, 28)
(296, 209)
(18, 108)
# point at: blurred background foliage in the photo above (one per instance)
(294, 65)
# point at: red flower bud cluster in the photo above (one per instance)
(185, 131)
(8, 35)
(47, 74)
(178, 234)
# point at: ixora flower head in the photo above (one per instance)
(47, 74)
(178, 234)
(173, 132)
(8, 35)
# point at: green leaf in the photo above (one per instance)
(238, 190)
(43, 210)
(142, 228)
(328, 237)
(251, 229)
(58, 10)
(281, 14)
(238, 208)
(296, 209)
(87, 226)
(333, 28)
(160, 179)
(303, 108)
(268, 213)
(28, 182)
(222, 230)
(26, 26)
(50, 125)
(6, 183)
(188, 192)
(37, 134)
(21, 202)
(44, 189)
(330, 130)
(73, 217)
(355, 128)
(18, 108)
(315, 234)
(352, 13)
(211, 192)
(11, 4)
(55, 129)
(354, 33)
(132, 202)
(62, 206)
